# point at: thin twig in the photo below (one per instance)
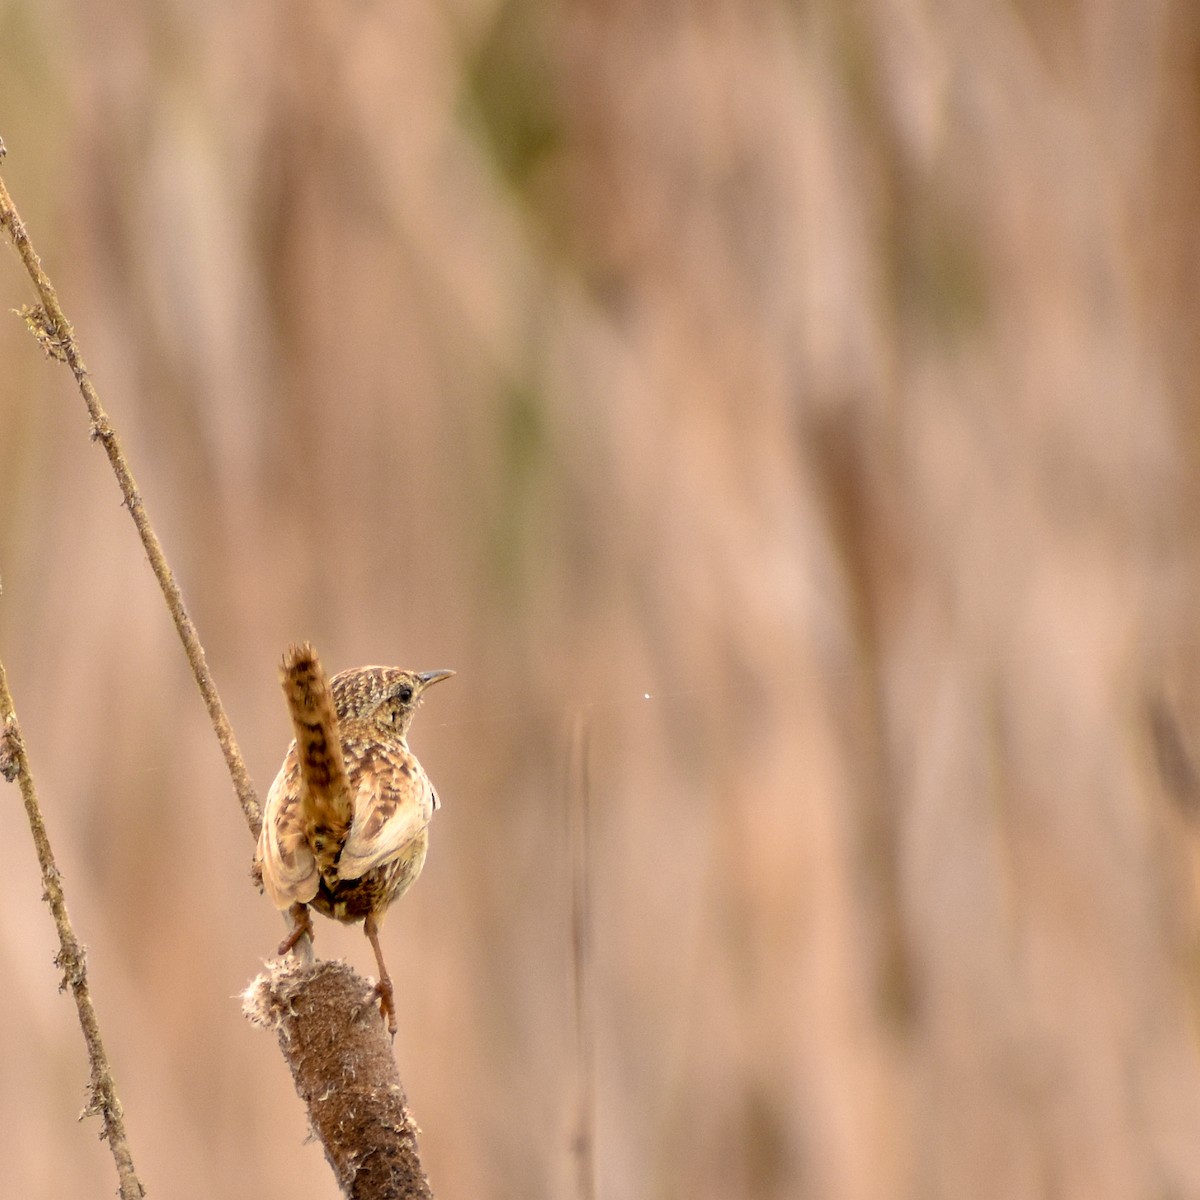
(579, 796)
(52, 329)
(102, 1091)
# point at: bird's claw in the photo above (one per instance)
(387, 1003)
(303, 925)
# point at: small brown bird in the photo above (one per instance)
(345, 827)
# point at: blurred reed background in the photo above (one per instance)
(825, 370)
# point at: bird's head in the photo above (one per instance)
(383, 698)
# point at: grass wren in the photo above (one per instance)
(346, 823)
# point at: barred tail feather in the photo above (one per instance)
(327, 803)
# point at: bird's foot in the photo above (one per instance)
(303, 925)
(387, 1003)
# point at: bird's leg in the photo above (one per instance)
(387, 1003)
(303, 924)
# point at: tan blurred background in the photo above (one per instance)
(825, 370)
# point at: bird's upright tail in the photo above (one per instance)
(325, 797)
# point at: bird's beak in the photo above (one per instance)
(428, 677)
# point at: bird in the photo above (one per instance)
(346, 823)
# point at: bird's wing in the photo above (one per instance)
(289, 870)
(393, 802)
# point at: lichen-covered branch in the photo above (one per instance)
(54, 333)
(326, 1017)
(102, 1092)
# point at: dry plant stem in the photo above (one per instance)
(327, 1021)
(102, 1097)
(58, 338)
(579, 794)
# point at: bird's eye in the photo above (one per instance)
(404, 694)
